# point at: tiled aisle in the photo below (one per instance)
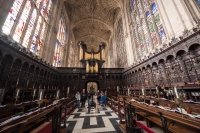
(102, 121)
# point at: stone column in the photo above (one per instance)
(52, 31)
(179, 14)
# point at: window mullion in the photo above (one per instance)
(26, 25)
(12, 31)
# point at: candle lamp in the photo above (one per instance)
(17, 95)
(34, 92)
(178, 99)
(68, 91)
(40, 97)
(157, 91)
(128, 92)
(143, 94)
(117, 90)
(57, 94)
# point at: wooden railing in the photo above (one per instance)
(55, 111)
(158, 114)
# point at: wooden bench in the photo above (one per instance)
(140, 116)
(41, 127)
(31, 125)
(151, 120)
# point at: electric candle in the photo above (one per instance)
(68, 90)
(176, 92)
(143, 93)
(117, 88)
(34, 91)
(17, 94)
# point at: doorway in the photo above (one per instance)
(92, 86)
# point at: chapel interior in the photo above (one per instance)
(135, 62)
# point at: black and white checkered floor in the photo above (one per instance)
(102, 121)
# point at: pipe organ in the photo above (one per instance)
(92, 60)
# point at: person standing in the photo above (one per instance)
(98, 97)
(103, 99)
(89, 103)
(78, 98)
(83, 98)
(96, 102)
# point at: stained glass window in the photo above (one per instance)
(41, 40)
(36, 39)
(132, 5)
(198, 1)
(148, 43)
(145, 3)
(12, 16)
(60, 42)
(158, 22)
(22, 21)
(120, 46)
(141, 42)
(137, 43)
(46, 8)
(38, 3)
(30, 28)
(137, 17)
(151, 28)
(139, 7)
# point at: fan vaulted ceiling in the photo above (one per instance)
(92, 20)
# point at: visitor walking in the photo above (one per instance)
(103, 99)
(78, 98)
(89, 102)
(83, 98)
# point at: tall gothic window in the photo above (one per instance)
(60, 42)
(22, 21)
(27, 22)
(146, 34)
(198, 1)
(30, 29)
(11, 18)
(149, 26)
(137, 42)
(120, 46)
(158, 22)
